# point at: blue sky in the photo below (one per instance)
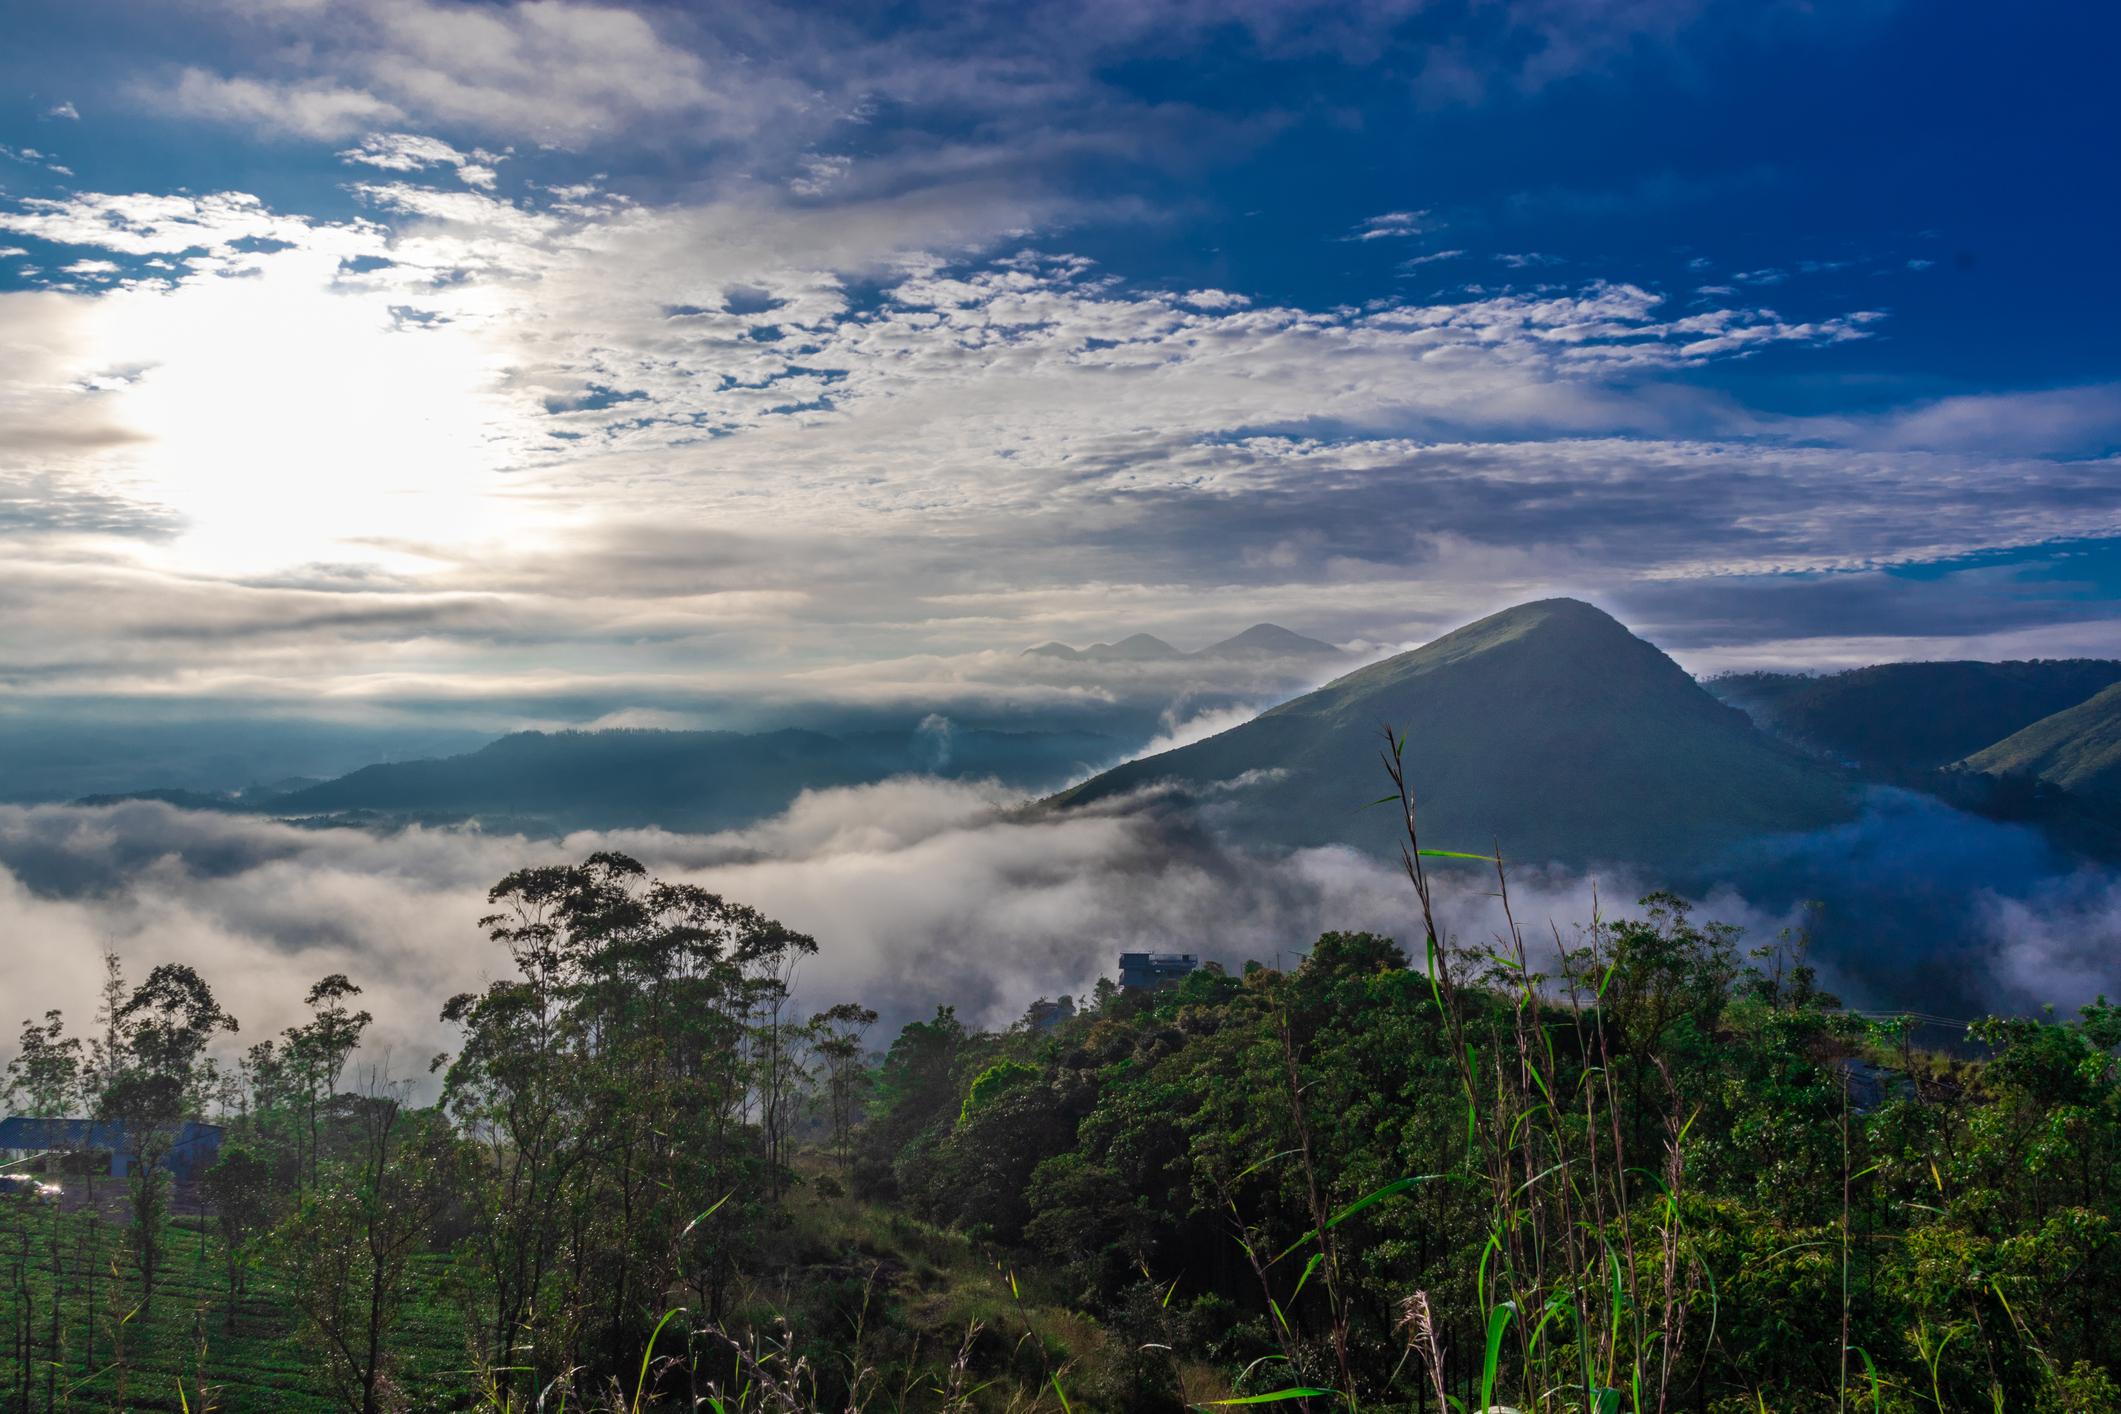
(565, 361)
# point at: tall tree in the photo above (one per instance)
(349, 1246)
(164, 1028)
(837, 1034)
(316, 1053)
(44, 1078)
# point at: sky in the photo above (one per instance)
(429, 362)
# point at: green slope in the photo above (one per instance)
(1913, 716)
(2078, 749)
(1548, 727)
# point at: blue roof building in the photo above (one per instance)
(1148, 971)
(196, 1148)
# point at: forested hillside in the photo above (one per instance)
(1914, 716)
(1643, 1165)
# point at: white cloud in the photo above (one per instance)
(819, 175)
(552, 71)
(65, 111)
(404, 152)
(1393, 225)
(309, 108)
(920, 893)
(414, 152)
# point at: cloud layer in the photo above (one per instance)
(923, 892)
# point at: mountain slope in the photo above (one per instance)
(1913, 716)
(1548, 727)
(2078, 749)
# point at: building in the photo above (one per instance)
(1045, 1015)
(1148, 971)
(194, 1151)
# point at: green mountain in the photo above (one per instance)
(1548, 727)
(1913, 716)
(2078, 749)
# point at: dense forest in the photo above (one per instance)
(1644, 1165)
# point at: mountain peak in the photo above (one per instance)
(1548, 726)
(1268, 640)
(1573, 615)
(1137, 647)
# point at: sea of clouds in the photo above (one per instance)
(924, 892)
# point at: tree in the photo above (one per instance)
(44, 1078)
(240, 1189)
(611, 1088)
(349, 1244)
(316, 1054)
(162, 1030)
(837, 1037)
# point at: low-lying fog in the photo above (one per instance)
(923, 892)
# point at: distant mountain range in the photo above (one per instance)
(1548, 727)
(554, 782)
(1258, 641)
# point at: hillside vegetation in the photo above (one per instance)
(1645, 1165)
(1913, 716)
(2077, 749)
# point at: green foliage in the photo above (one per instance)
(1644, 1170)
(1637, 1194)
(1914, 716)
(988, 1085)
(2077, 749)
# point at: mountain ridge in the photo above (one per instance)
(1915, 716)
(1261, 640)
(2077, 749)
(537, 781)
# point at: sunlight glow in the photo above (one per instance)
(287, 421)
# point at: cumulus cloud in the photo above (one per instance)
(548, 71)
(413, 152)
(315, 108)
